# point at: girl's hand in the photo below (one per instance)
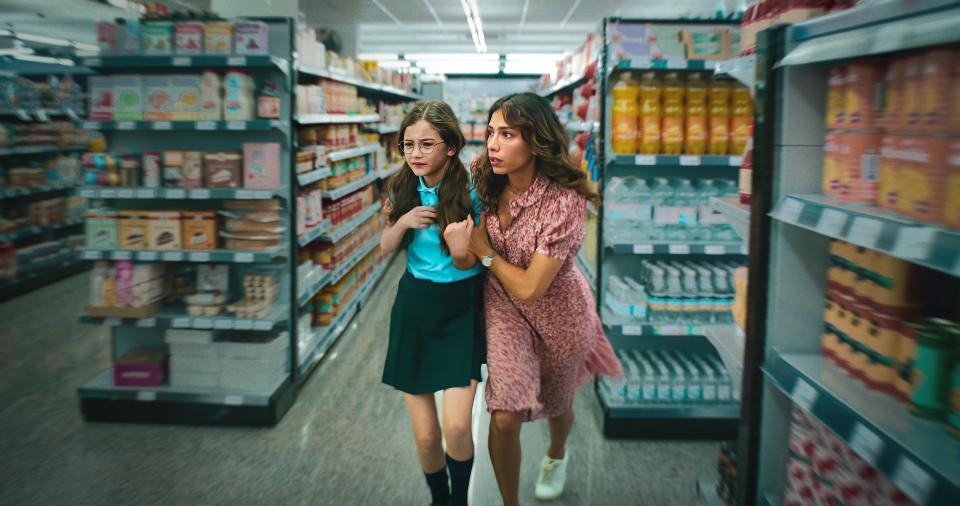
(479, 241)
(418, 217)
(457, 236)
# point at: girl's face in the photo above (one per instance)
(422, 136)
(507, 150)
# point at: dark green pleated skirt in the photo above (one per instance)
(437, 336)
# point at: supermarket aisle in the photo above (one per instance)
(345, 441)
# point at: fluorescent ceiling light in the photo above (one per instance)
(452, 56)
(463, 68)
(377, 56)
(472, 13)
(570, 13)
(526, 67)
(535, 57)
(44, 59)
(43, 40)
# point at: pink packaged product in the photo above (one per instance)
(189, 37)
(141, 368)
(101, 97)
(107, 38)
(124, 283)
(251, 38)
(261, 165)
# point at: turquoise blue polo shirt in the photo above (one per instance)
(425, 259)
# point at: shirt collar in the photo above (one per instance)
(423, 188)
(533, 194)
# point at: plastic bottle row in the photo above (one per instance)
(662, 208)
(670, 376)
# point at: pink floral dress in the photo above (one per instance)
(539, 353)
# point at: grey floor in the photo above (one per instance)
(345, 441)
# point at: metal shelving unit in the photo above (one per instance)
(350, 225)
(176, 317)
(137, 193)
(318, 119)
(205, 125)
(363, 86)
(790, 232)
(32, 150)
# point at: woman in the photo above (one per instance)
(544, 338)
(436, 325)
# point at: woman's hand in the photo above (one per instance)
(479, 241)
(457, 236)
(418, 217)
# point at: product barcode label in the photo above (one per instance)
(735, 161)
(243, 257)
(181, 323)
(865, 231)
(714, 249)
(202, 323)
(147, 322)
(243, 324)
(223, 324)
(689, 160)
(633, 330)
(866, 443)
(112, 322)
(147, 395)
(831, 223)
(237, 60)
(199, 194)
(913, 481)
(679, 249)
(790, 210)
(122, 255)
(236, 125)
(262, 325)
(182, 61)
(176, 194)
(162, 125)
(91, 255)
(233, 400)
(146, 194)
(125, 194)
(126, 125)
(645, 160)
(206, 125)
(870, 167)
(642, 249)
(173, 256)
(201, 256)
(91, 125)
(804, 395)
(914, 242)
(148, 256)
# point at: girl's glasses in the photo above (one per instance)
(426, 147)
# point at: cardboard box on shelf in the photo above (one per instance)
(164, 230)
(157, 38)
(132, 229)
(128, 97)
(200, 230)
(158, 101)
(140, 368)
(261, 165)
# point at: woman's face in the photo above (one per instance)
(507, 150)
(424, 137)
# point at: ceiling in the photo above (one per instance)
(393, 26)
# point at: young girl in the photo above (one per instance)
(544, 337)
(436, 325)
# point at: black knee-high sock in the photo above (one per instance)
(459, 480)
(439, 489)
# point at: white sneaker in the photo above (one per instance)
(553, 475)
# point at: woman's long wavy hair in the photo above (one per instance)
(541, 128)
(454, 190)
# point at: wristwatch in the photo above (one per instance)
(487, 260)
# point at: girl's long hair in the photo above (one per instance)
(454, 190)
(541, 128)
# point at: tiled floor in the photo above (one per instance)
(345, 441)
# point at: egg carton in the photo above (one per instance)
(250, 308)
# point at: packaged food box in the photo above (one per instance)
(107, 38)
(251, 38)
(185, 90)
(189, 37)
(912, 112)
(893, 119)
(836, 97)
(251, 240)
(889, 192)
(863, 97)
(101, 228)
(173, 169)
(128, 36)
(223, 169)
(213, 278)
(132, 229)
(218, 38)
(140, 368)
(152, 171)
(261, 165)
(833, 163)
(937, 90)
(165, 230)
(157, 38)
(128, 95)
(158, 104)
(192, 169)
(200, 229)
(860, 180)
(951, 212)
(101, 97)
(922, 177)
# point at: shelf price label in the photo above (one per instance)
(790, 210)
(201, 256)
(676, 64)
(200, 194)
(670, 330)
(243, 257)
(735, 161)
(146, 395)
(91, 125)
(206, 125)
(41, 115)
(243, 324)
(112, 322)
(866, 443)
(181, 323)
(248, 194)
(714, 249)
(912, 480)
(173, 256)
(236, 125)
(146, 194)
(126, 125)
(108, 193)
(126, 193)
(914, 242)
(237, 61)
(645, 160)
(147, 322)
(804, 395)
(262, 325)
(202, 323)
(162, 125)
(680, 249)
(689, 160)
(148, 256)
(831, 223)
(176, 194)
(233, 400)
(122, 255)
(642, 249)
(182, 61)
(91, 255)
(865, 231)
(223, 324)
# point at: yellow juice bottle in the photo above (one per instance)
(695, 139)
(650, 114)
(672, 126)
(719, 118)
(741, 119)
(624, 115)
